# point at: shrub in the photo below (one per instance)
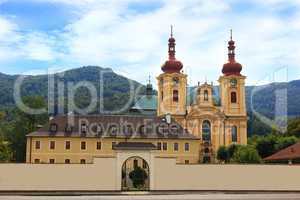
(231, 150)
(5, 154)
(246, 154)
(284, 142)
(222, 154)
(138, 177)
(266, 145)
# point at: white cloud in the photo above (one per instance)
(38, 46)
(16, 44)
(109, 34)
(8, 30)
(8, 37)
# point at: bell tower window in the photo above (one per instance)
(205, 95)
(162, 95)
(175, 95)
(233, 97)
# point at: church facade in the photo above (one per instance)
(169, 124)
(216, 124)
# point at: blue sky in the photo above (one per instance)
(130, 36)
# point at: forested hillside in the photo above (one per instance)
(112, 87)
(265, 100)
(116, 90)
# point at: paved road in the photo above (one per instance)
(212, 196)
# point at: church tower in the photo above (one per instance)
(172, 85)
(233, 99)
(232, 85)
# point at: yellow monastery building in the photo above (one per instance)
(187, 127)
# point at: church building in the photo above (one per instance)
(215, 123)
(189, 124)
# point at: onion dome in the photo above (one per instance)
(172, 65)
(232, 67)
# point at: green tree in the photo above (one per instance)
(138, 177)
(23, 124)
(2, 116)
(294, 127)
(222, 154)
(231, 150)
(266, 145)
(284, 142)
(246, 154)
(5, 154)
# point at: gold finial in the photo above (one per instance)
(171, 30)
(230, 34)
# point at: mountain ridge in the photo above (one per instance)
(117, 87)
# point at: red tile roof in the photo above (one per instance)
(289, 153)
(115, 126)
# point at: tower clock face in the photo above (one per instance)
(233, 82)
(175, 81)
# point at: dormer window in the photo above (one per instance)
(142, 131)
(53, 128)
(99, 130)
(69, 129)
(113, 130)
(162, 129)
(128, 130)
(83, 128)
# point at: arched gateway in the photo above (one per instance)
(135, 174)
(133, 165)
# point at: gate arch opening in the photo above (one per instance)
(135, 174)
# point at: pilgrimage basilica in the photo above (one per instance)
(188, 124)
(216, 121)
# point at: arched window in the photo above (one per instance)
(175, 95)
(205, 95)
(233, 97)
(162, 95)
(234, 134)
(206, 130)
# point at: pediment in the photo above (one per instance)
(205, 112)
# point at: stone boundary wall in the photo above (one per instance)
(104, 175)
(170, 176)
(59, 177)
